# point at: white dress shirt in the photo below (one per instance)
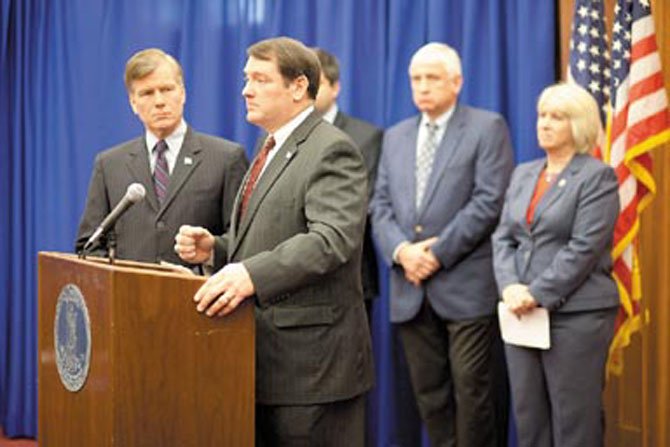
(174, 142)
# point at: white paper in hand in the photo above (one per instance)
(531, 330)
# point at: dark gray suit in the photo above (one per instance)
(203, 185)
(564, 258)
(300, 240)
(368, 138)
(447, 324)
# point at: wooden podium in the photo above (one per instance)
(160, 374)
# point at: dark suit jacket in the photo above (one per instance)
(461, 206)
(202, 189)
(368, 138)
(564, 256)
(301, 240)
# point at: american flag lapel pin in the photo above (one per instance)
(188, 161)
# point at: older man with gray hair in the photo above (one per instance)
(438, 196)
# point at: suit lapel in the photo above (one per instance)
(285, 154)
(446, 150)
(557, 188)
(138, 165)
(187, 161)
(407, 163)
(235, 221)
(279, 162)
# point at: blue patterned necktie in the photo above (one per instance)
(161, 171)
(424, 161)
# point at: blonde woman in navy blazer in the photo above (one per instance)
(553, 250)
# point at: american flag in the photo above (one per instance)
(589, 56)
(637, 121)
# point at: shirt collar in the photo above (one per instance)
(173, 141)
(282, 134)
(441, 120)
(331, 114)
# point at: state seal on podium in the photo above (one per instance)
(72, 338)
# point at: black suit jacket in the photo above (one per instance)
(300, 240)
(368, 138)
(202, 190)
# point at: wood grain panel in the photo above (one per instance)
(161, 374)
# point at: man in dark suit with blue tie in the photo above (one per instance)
(189, 177)
(439, 192)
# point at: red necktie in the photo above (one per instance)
(256, 169)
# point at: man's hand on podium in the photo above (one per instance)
(225, 290)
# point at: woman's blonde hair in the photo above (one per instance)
(580, 108)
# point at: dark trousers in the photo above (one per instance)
(332, 424)
(557, 393)
(452, 372)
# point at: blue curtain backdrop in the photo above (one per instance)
(62, 100)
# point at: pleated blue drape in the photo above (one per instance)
(62, 100)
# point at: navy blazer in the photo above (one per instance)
(564, 255)
(461, 206)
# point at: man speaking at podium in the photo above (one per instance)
(189, 177)
(294, 248)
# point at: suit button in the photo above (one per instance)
(160, 225)
(418, 229)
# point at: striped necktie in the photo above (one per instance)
(255, 172)
(424, 161)
(161, 171)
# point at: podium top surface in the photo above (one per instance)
(123, 265)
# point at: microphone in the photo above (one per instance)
(135, 193)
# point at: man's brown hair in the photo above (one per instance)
(293, 58)
(145, 62)
(329, 65)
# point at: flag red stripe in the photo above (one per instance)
(643, 129)
(623, 274)
(646, 86)
(625, 221)
(619, 123)
(622, 172)
(647, 128)
(643, 47)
